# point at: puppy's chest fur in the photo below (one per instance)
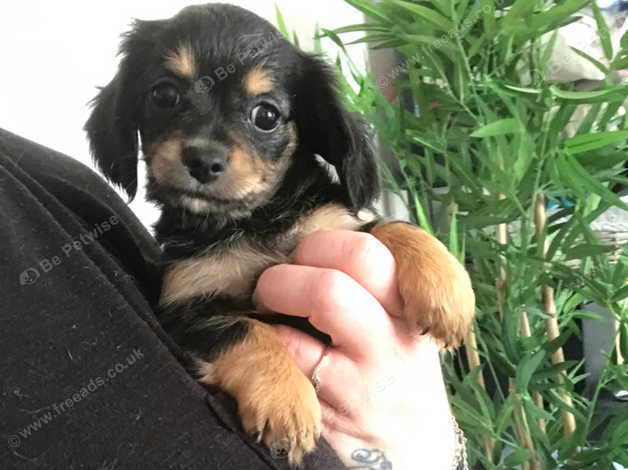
(229, 270)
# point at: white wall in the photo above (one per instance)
(54, 53)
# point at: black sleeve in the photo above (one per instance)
(88, 377)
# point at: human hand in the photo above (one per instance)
(382, 392)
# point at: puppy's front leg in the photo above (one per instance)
(435, 288)
(275, 400)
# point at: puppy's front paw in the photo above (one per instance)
(435, 288)
(276, 402)
(286, 416)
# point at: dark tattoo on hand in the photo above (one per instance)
(370, 459)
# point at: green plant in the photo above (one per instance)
(498, 149)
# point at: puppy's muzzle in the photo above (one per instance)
(205, 165)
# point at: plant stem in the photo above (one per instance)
(524, 326)
(521, 428)
(473, 357)
(620, 357)
(549, 307)
(502, 291)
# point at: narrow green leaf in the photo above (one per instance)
(587, 142)
(586, 250)
(453, 235)
(587, 123)
(362, 27)
(620, 276)
(603, 31)
(500, 127)
(443, 5)
(335, 39)
(519, 456)
(624, 41)
(488, 17)
(559, 121)
(502, 421)
(424, 39)
(424, 221)
(620, 63)
(552, 346)
(518, 11)
(612, 93)
(374, 38)
(620, 294)
(552, 371)
(429, 15)
(582, 181)
(602, 68)
(558, 14)
(527, 91)
(318, 49)
(526, 368)
(295, 40)
(281, 24)
(370, 9)
(611, 112)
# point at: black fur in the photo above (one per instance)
(215, 107)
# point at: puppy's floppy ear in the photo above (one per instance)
(328, 130)
(112, 127)
(112, 132)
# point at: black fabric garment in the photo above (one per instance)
(88, 378)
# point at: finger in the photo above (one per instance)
(359, 255)
(339, 378)
(305, 349)
(333, 303)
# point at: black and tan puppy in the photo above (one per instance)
(230, 117)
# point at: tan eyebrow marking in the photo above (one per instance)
(258, 81)
(182, 61)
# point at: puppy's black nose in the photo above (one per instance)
(205, 164)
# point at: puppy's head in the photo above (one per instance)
(223, 107)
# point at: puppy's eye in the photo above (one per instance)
(265, 117)
(166, 95)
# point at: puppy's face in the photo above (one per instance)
(217, 137)
(223, 104)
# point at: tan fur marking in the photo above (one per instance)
(232, 273)
(165, 159)
(292, 144)
(245, 165)
(274, 397)
(258, 81)
(182, 61)
(247, 175)
(434, 286)
(328, 217)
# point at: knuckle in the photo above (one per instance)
(363, 250)
(327, 290)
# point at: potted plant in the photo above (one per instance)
(484, 136)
